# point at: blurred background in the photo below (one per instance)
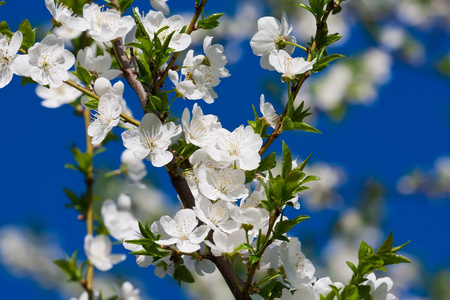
(383, 157)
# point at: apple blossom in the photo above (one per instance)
(98, 251)
(8, 54)
(299, 270)
(289, 66)
(379, 288)
(226, 243)
(65, 16)
(268, 112)
(99, 65)
(227, 184)
(106, 25)
(200, 130)
(107, 116)
(215, 58)
(160, 5)
(322, 287)
(154, 21)
(213, 214)
(151, 140)
(240, 147)
(47, 62)
(270, 36)
(85, 296)
(118, 221)
(55, 97)
(128, 292)
(133, 168)
(183, 231)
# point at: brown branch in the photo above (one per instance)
(198, 11)
(128, 73)
(320, 25)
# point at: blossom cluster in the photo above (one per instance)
(238, 209)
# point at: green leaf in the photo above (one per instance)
(210, 22)
(290, 107)
(71, 195)
(305, 127)
(27, 80)
(364, 250)
(392, 258)
(387, 245)
(84, 75)
(254, 258)
(285, 226)
(155, 102)
(350, 293)
(4, 29)
(72, 167)
(182, 273)
(336, 10)
(317, 7)
(124, 4)
(92, 103)
(332, 38)
(28, 34)
(306, 7)
(268, 162)
(310, 178)
(287, 124)
(352, 267)
(395, 249)
(286, 166)
(303, 164)
(2, 2)
(324, 61)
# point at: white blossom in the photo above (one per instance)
(258, 217)
(227, 184)
(55, 97)
(215, 57)
(106, 25)
(107, 116)
(155, 20)
(118, 221)
(99, 65)
(183, 231)
(379, 288)
(200, 130)
(133, 168)
(128, 292)
(160, 5)
(8, 54)
(322, 287)
(63, 14)
(299, 270)
(85, 296)
(98, 251)
(213, 214)
(240, 147)
(268, 112)
(270, 36)
(226, 243)
(152, 139)
(47, 62)
(288, 66)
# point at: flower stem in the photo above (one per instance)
(89, 180)
(294, 44)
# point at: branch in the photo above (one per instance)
(129, 74)
(198, 11)
(320, 25)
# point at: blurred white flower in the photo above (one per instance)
(98, 251)
(160, 5)
(55, 97)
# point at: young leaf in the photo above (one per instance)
(28, 34)
(124, 4)
(286, 161)
(210, 22)
(182, 273)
